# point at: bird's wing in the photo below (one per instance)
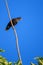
(8, 26)
(14, 21)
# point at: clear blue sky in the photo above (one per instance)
(29, 29)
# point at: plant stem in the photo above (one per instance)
(17, 45)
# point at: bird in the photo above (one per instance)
(14, 22)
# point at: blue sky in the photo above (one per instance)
(29, 29)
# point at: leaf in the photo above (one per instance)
(3, 61)
(2, 50)
(18, 62)
(40, 60)
(32, 63)
(10, 63)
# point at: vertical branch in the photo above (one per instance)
(17, 46)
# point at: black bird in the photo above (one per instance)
(14, 21)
